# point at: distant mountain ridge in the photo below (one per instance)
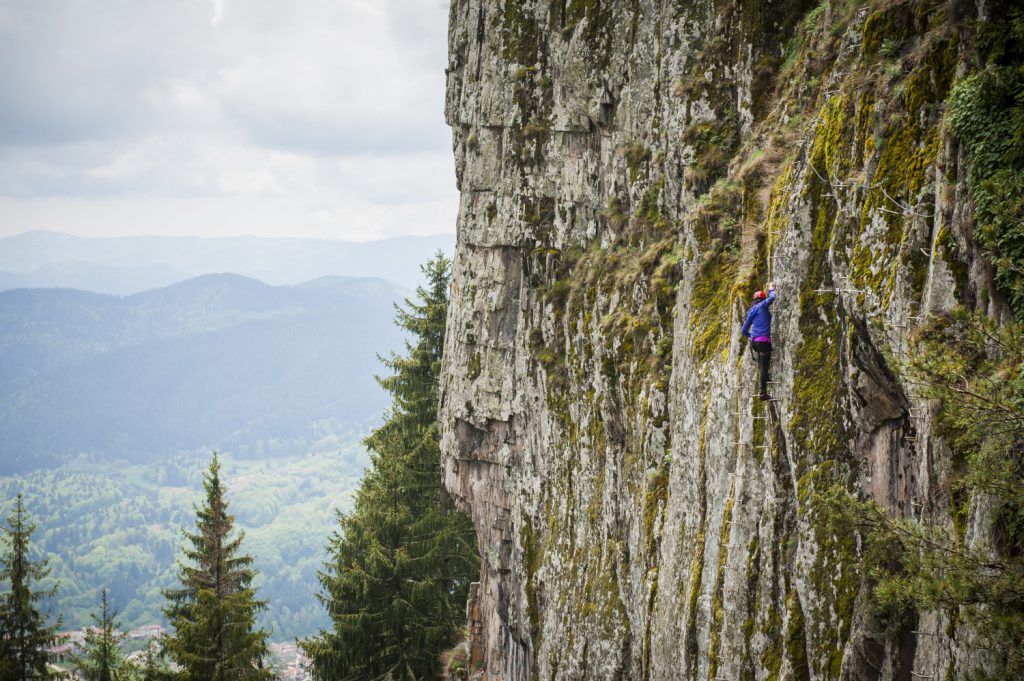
(219, 360)
(125, 265)
(88, 276)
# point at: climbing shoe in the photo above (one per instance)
(765, 397)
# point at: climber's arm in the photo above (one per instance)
(746, 324)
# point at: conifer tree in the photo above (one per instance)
(400, 563)
(25, 638)
(101, 658)
(153, 667)
(213, 614)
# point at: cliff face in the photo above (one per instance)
(630, 173)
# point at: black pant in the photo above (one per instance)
(764, 360)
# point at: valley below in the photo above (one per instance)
(112, 405)
(118, 526)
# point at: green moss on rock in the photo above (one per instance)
(718, 599)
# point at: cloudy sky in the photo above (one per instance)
(319, 118)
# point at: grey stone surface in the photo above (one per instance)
(640, 523)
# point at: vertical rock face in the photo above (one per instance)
(630, 173)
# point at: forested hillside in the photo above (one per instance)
(118, 527)
(219, 361)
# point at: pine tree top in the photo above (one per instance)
(213, 613)
(100, 657)
(401, 562)
(25, 650)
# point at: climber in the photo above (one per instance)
(758, 328)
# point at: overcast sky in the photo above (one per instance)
(319, 118)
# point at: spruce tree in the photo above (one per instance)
(213, 614)
(153, 667)
(25, 639)
(101, 658)
(400, 563)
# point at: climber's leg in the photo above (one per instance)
(764, 361)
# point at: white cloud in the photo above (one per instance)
(224, 216)
(255, 182)
(129, 165)
(217, 13)
(322, 114)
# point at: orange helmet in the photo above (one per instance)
(760, 295)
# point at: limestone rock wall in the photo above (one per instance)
(630, 172)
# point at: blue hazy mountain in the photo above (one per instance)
(124, 265)
(219, 361)
(89, 276)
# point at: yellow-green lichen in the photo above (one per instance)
(710, 319)
(473, 370)
(753, 574)
(636, 156)
(718, 598)
(692, 590)
(835, 573)
(654, 501)
(796, 644)
(597, 20)
(693, 599)
(533, 556)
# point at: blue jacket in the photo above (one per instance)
(759, 318)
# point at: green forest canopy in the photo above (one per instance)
(118, 526)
